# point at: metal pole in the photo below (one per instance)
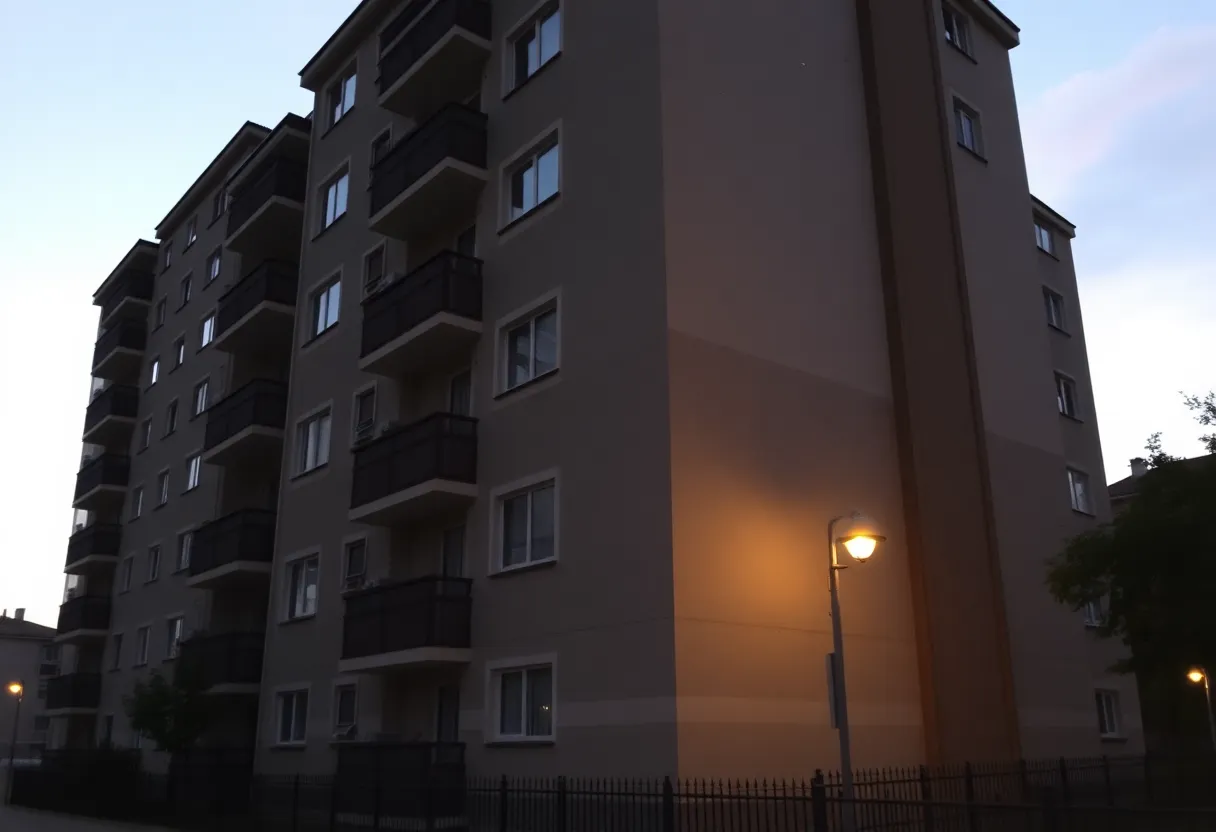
(842, 703)
(1207, 692)
(12, 749)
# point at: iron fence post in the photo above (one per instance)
(295, 804)
(1024, 771)
(669, 806)
(926, 798)
(502, 804)
(561, 804)
(1148, 781)
(1064, 791)
(819, 804)
(1110, 792)
(1051, 813)
(969, 792)
(333, 803)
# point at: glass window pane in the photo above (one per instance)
(515, 530)
(533, 53)
(342, 187)
(349, 98)
(547, 177)
(550, 36)
(522, 47)
(323, 439)
(546, 342)
(519, 355)
(345, 709)
(310, 587)
(333, 304)
(285, 714)
(510, 704)
(543, 523)
(540, 702)
(301, 716)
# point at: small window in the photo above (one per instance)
(292, 717)
(1094, 616)
(958, 30)
(137, 502)
(201, 391)
(302, 587)
(1066, 396)
(530, 349)
(336, 192)
(1053, 302)
(312, 442)
(355, 567)
(365, 414)
(1107, 703)
(124, 573)
(142, 636)
(341, 96)
(206, 333)
(173, 639)
(154, 371)
(1043, 238)
(191, 231)
(967, 124)
(116, 647)
(525, 703)
(528, 524)
(537, 43)
(145, 434)
(214, 264)
(460, 394)
(373, 270)
(452, 565)
(153, 564)
(326, 303)
(167, 245)
(185, 542)
(158, 316)
(183, 291)
(533, 180)
(381, 145)
(162, 488)
(171, 417)
(179, 352)
(1078, 487)
(219, 204)
(346, 709)
(194, 472)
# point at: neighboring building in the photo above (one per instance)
(29, 656)
(583, 356)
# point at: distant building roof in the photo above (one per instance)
(20, 628)
(1129, 486)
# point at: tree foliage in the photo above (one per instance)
(173, 714)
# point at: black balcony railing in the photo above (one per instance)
(246, 535)
(441, 446)
(137, 285)
(97, 539)
(127, 333)
(221, 659)
(261, 403)
(424, 612)
(277, 177)
(473, 15)
(454, 131)
(116, 400)
(448, 282)
(75, 690)
(84, 612)
(106, 469)
(272, 281)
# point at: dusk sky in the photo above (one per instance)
(112, 110)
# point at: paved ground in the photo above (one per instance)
(23, 820)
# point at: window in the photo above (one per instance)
(312, 442)
(373, 270)
(380, 145)
(528, 524)
(179, 352)
(466, 242)
(536, 44)
(326, 302)
(142, 636)
(219, 204)
(173, 640)
(171, 417)
(452, 565)
(460, 394)
(1053, 302)
(1043, 238)
(958, 30)
(1094, 616)
(967, 124)
(1066, 396)
(206, 332)
(336, 192)
(1078, 487)
(116, 641)
(168, 246)
(154, 371)
(292, 716)
(185, 542)
(341, 96)
(194, 472)
(214, 262)
(533, 180)
(124, 573)
(158, 316)
(530, 349)
(183, 291)
(365, 413)
(153, 564)
(302, 587)
(200, 396)
(346, 707)
(145, 434)
(1107, 703)
(525, 703)
(355, 568)
(191, 231)
(137, 502)
(137, 740)
(162, 488)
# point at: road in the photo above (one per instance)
(24, 820)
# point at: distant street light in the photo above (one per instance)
(16, 689)
(1197, 675)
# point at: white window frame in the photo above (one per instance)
(167, 245)
(340, 95)
(137, 502)
(506, 325)
(1053, 306)
(371, 146)
(368, 425)
(171, 417)
(185, 537)
(340, 685)
(957, 29)
(194, 471)
(126, 570)
(162, 488)
(963, 109)
(1078, 479)
(289, 611)
(158, 314)
(350, 579)
(201, 397)
(530, 25)
(321, 307)
(1043, 237)
(192, 231)
(334, 198)
(154, 370)
(206, 330)
(304, 441)
(498, 500)
(175, 634)
(1107, 707)
(185, 290)
(495, 670)
(153, 554)
(281, 697)
(143, 643)
(116, 640)
(1066, 396)
(215, 266)
(530, 159)
(179, 351)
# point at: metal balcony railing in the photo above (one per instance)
(455, 131)
(441, 446)
(424, 612)
(448, 282)
(261, 402)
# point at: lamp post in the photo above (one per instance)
(1197, 675)
(859, 536)
(16, 689)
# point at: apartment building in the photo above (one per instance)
(581, 357)
(29, 657)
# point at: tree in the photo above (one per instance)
(173, 715)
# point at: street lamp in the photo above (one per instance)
(1197, 675)
(18, 690)
(859, 536)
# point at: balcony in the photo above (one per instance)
(234, 550)
(119, 353)
(93, 548)
(256, 315)
(390, 776)
(430, 314)
(409, 472)
(83, 618)
(73, 693)
(223, 663)
(418, 623)
(245, 428)
(110, 417)
(101, 483)
(440, 58)
(433, 177)
(269, 206)
(130, 296)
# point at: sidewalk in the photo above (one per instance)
(26, 820)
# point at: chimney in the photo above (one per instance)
(19, 614)
(1139, 467)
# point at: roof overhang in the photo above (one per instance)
(1048, 213)
(142, 249)
(343, 43)
(995, 21)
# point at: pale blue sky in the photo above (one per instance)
(112, 109)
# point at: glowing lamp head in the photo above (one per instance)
(860, 537)
(1195, 674)
(15, 688)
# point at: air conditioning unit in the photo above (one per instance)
(347, 733)
(353, 582)
(379, 284)
(364, 431)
